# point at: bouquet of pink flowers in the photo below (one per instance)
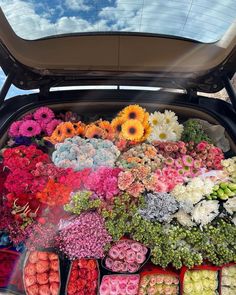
(119, 284)
(126, 256)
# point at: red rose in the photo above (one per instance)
(44, 290)
(91, 264)
(42, 266)
(82, 273)
(52, 256)
(33, 290)
(82, 263)
(42, 278)
(54, 265)
(81, 284)
(33, 257)
(54, 288)
(43, 255)
(30, 280)
(30, 269)
(73, 275)
(92, 275)
(71, 289)
(54, 277)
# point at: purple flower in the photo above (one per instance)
(14, 130)
(44, 114)
(30, 128)
(85, 236)
(22, 140)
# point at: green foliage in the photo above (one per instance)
(193, 131)
(172, 243)
(81, 201)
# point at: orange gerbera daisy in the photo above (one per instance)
(107, 127)
(58, 134)
(133, 112)
(132, 130)
(116, 124)
(93, 131)
(68, 129)
(79, 128)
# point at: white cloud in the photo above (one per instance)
(202, 19)
(77, 5)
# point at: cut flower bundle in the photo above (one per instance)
(80, 187)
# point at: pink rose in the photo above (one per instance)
(132, 289)
(130, 255)
(104, 289)
(144, 250)
(152, 290)
(137, 247)
(152, 281)
(133, 267)
(134, 279)
(140, 258)
(109, 262)
(159, 279)
(113, 253)
(202, 145)
(168, 280)
(117, 266)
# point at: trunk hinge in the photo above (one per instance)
(6, 86)
(230, 90)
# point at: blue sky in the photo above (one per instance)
(204, 20)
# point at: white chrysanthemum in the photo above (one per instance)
(156, 119)
(170, 117)
(184, 218)
(205, 211)
(230, 205)
(162, 133)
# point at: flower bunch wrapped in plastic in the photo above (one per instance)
(79, 153)
(194, 191)
(119, 284)
(228, 280)
(84, 236)
(143, 154)
(159, 207)
(126, 256)
(209, 155)
(200, 282)
(165, 126)
(103, 182)
(159, 284)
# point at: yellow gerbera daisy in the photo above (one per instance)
(132, 130)
(146, 133)
(133, 112)
(116, 124)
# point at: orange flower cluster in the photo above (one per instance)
(98, 129)
(54, 194)
(132, 124)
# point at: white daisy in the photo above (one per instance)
(156, 119)
(170, 117)
(162, 133)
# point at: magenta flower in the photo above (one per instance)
(28, 117)
(14, 130)
(44, 114)
(51, 126)
(30, 128)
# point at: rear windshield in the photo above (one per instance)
(201, 20)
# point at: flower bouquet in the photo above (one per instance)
(9, 260)
(83, 277)
(228, 279)
(119, 284)
(157, 281)
(41, 273)
(126, 256)
(203, 279)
